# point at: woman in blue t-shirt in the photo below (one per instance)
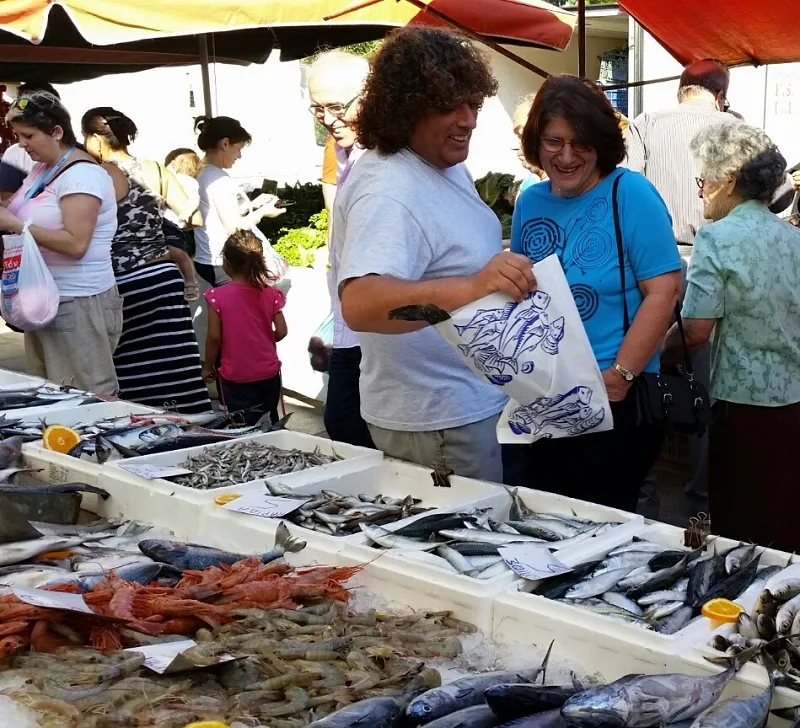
(573, 134)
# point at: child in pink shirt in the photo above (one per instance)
(244, 324)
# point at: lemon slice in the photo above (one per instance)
(722, 610)
(60, 438)
(221, 500)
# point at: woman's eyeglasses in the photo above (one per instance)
(555, 145)
(337, 111)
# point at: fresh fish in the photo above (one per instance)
(142, 572)
(590, 532)
(661, 579)
(558, 586)
(477, 716)
(33, 576)
(389, 540)
(786, 590)
(620, 601)
(731, 586)
(638, 545)
(637, 577)
(429, 313)
(786, 615)
(459, 562)
(474, 549)
(738, 557)
(596, 585)
(662, 609)
(676, 621)
(372, 712)
(703, 577)
(548, 719)
(521, 699)
(792, 714)
(642, 701)
(548, 530)
(46, 489)
(676, 593)
(519, 511)
(665, 559)
(426, 557)
(14, 527)
(599, 606)
(490, 537)
(628, 560)
(426, 526)
(490, 572)
(105, 560)
(466, 692)
(192, 556)
(11, 452)
(747, 627)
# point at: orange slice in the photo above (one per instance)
(722, 610)
(221, 500)
(60, 438)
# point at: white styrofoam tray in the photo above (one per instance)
(286, 439)
(597, 634)
(472, 598)
(9, 378)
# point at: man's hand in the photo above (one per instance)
(796, 179)
(508, 273)
(616, 386)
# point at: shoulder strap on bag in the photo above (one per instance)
(626, 322)
(67, 168)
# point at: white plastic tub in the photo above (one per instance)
(43, 410)
(283, 439)
(9, 378)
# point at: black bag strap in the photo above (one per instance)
(626, 322)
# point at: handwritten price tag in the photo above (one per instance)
(167, 658)
(264, 505)
(153, 472)
(53, 600)
(532, 561)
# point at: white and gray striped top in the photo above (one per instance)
(658, 147)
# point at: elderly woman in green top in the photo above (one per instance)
(744, 287)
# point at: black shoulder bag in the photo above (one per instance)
(676, 401)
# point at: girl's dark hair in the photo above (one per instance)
(245, 255)
(118, 130)
(213, 129)
(419, 71)
(585, 107)
(44, 112)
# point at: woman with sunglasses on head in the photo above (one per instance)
(157, 360)
(223, 204)
(70, 200)
(574, 135)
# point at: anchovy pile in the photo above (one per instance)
(336, 514)
(645, 583)
(772, 624)
(246, 461)
(468, 543)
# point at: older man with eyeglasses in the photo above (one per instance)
(335, 81)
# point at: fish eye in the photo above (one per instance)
(426, 708)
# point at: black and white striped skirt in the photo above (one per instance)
(158, 360)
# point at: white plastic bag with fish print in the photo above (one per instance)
(29, 296)
(538, 353)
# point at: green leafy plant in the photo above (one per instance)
(498, 191)
(297, 245)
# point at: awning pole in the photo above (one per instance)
(582, 38)
(203, 48)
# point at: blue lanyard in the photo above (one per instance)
(46, 177)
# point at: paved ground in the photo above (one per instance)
(675, 506)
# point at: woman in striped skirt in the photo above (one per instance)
(157, 360)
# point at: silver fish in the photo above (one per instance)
(645, 701)
(466, 692)
(596, 585)
(389, 540)
(459, 562)
(622, 602)
(676, 621)
(490, 537)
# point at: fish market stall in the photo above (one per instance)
(39, 398)
(203, 473)
(9, 378)
(600, 607)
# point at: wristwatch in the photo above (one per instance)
(626, 374)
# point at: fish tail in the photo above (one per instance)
(285, 542)
(545, 661)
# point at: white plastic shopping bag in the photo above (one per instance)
(29, 296)
(538, 353)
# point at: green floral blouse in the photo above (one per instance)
(745, 272)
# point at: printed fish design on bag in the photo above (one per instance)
(571, 411)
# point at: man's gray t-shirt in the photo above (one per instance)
(398, 216)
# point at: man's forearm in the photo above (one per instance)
(366, 301)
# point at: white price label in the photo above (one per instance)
(532, 561)
(166, 657)
(53, 600)
(264, 505)
(153, 472)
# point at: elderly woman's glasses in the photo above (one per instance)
(700, 182)
(337, 111)
(555, 145)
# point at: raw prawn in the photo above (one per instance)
(12, 645)
(42, 640)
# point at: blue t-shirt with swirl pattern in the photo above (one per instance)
(580, 230)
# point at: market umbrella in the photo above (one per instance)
(737, 32)
(77, 39)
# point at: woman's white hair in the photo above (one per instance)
(743, 151)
